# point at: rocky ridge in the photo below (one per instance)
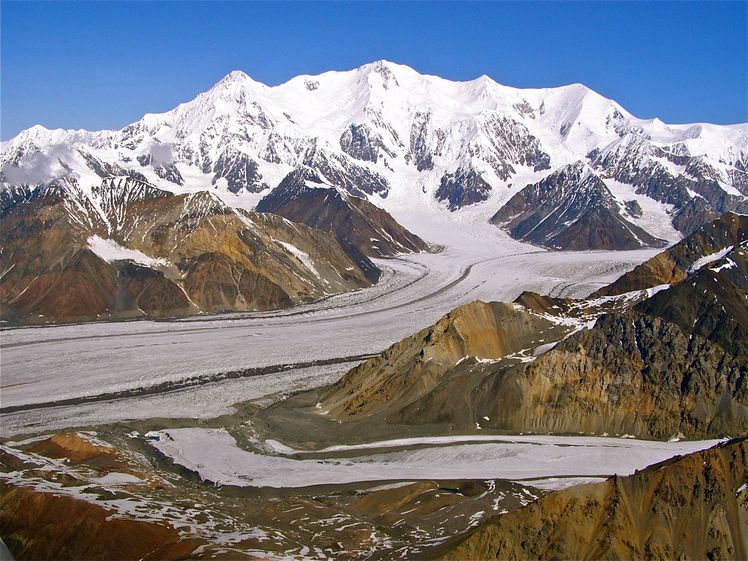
(129, 249)
(415, 367)
(571, 209)
(673, 265)
(691, 507)
(360, 227)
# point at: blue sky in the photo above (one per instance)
(104, 64)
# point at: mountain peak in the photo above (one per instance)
(236, 76)
(236, 80)
(388, 73)
(380, 64)
(383, 72)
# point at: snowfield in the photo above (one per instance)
(215, 456)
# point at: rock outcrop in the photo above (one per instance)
(571, 209)
(462, 188)
(630, 374)
(360, 227)
(692, 507)
(418, 365)
(672, 265)
(695, 189)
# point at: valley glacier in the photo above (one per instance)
(43, 365)
(207, 421)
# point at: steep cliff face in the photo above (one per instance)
(129, 249)
(417, 365)
(693, 507)
(361, 227)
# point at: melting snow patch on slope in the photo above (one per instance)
(709, 258)
(730, 264)
(109, 251)
(655, 289)
(301, 256)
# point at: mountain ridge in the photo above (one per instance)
(396, 136)
(689, 507)
(133, 250)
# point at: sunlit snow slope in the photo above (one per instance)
(405, 140)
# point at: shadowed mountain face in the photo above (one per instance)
(692, 507)
(629, 374)
(653, 363)
(571, 209)
(132, 250)
(360, 226)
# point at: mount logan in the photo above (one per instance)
(560, 167)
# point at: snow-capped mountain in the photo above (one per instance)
(385, 132)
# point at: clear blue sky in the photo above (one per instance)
(103, 65)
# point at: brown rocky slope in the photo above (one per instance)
(417, 365)
(203, 255)
(673, 264)
(45, 526)
(692, 507)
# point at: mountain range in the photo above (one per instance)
(385, 131)
(345, 153)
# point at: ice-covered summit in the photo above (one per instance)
(402, 138)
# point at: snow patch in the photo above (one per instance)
(110, 251)
(301, 256)
(699, 263)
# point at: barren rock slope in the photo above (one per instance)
(694, 507)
